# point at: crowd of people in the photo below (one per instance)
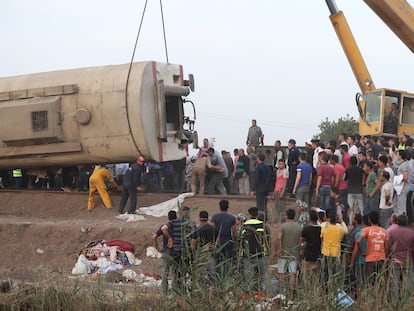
(352, 221)
(214, 251)
(351, 226)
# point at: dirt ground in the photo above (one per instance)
(36, 221)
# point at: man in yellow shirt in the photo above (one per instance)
(332, 235)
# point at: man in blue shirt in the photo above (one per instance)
(225, 224)
(303, 180)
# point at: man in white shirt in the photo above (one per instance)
(316, 149)
(385, 205)
(353, 149)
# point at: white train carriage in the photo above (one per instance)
(95, 115)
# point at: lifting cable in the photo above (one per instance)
(163, 30)
(127, 80)
(132, 60)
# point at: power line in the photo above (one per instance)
(262, 122)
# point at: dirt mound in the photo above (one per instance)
(45, 230)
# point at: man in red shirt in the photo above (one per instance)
(401, 250)
(339, 181)
(376, 252)
(324, 182)
(345, 156)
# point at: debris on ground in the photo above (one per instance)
(152, 252)
(130, 217)
(101, 257)
(162, 209)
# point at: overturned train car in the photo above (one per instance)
(103, 114)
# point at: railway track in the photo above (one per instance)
(117, 193)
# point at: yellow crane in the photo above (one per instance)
(383, 112)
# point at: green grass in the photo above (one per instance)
(56, 291)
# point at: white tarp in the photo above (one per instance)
(163, 208)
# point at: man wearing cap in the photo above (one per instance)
(130, 184)
(203, 241)
(205, 234)
(293, 161)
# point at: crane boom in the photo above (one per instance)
(383, 112)
(398, 15)
(350, 48)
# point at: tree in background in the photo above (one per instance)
(330, 130)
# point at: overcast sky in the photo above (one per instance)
(275, 61)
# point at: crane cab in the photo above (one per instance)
(387, 113)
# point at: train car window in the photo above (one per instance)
(39, 120)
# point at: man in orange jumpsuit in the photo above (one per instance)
(97, 182)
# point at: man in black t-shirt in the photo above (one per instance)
(205, 235)
(293, 161)
(311, 237)
(354, 176)
(203, 242)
